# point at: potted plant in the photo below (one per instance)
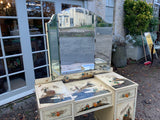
(119, 57)
(137, 18)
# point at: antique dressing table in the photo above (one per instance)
(81, 80)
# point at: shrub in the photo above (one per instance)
(153, 25)
(138, 15)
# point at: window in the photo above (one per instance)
(109, 11)
(7, 8)
(39, 12)
(11, 57)
(65, 6)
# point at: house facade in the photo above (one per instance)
(23, 49)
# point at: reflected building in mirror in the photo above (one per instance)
(75, 17)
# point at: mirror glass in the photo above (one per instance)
(103, 44)
(76, 37)
(78, 40)
(53, 46)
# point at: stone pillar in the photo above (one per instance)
(119, 18)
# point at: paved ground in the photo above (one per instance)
(148, 105)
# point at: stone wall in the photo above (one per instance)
(119, 16)
(98, 7)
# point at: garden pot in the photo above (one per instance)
(119, 57)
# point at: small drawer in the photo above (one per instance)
(67, 119)
(126, 94)
(57, 112)
(91, 104)
(70, 118)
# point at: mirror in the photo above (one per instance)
(78, 40)
(53, 46)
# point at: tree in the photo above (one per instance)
(138, 15)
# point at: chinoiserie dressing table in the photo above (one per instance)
(81, 79)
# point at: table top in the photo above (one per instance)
(87, 88)
(115, 80)
(54, 92)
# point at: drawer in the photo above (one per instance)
(126, 94)
(70, 118)
(89, 105)
(125, 110)
(57, 112)
(67, 119)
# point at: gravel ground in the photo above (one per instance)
(148, 105)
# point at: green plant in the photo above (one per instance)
(153, 25)
(136, 40)
(138, 15)
(102, 23)
(118, 40)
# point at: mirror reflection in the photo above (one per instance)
(76, 37)
(103, 44)
(78, 40)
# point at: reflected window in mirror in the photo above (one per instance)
(65, 6)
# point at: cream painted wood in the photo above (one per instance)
(71, 76)
(67, 118)
(118, 92)
(80, 105)
(117, 106)
(123, 95)
(125, 108)
(64, 111)
(46, 112)
(61, 90)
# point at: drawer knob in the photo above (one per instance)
(95, 104)
(126, 95)
(87, 106)
(58, 114)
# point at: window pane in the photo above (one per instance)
(7, 8)
(39, 59)
(48, 9)
(15, 64)
(65, 6)
(2, 68)
(0, 50)
(41, 73)
(9, 27)
(3, 85)
(35, 26)
(17, 81)
(33, 8)
(12, 46)
(37, 43)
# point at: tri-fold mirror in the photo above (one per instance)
(78, 41)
